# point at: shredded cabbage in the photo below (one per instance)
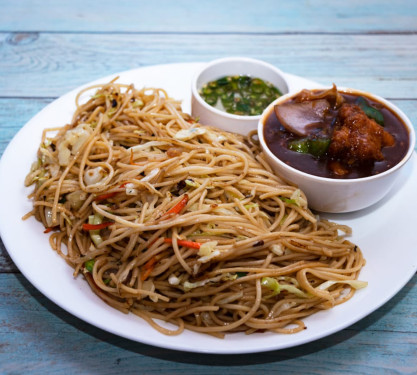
(149, 286)
(207, 248)
(191, 183)
(48, 217)
(207, 258)
(153, 173)
(251, 205)
(277, 249)
(137, 103)
(95, 234)
(147, 146)
(273, 284)
(76, 199)
(298, 199)
(94, 175)
(194, 207)
(356, 284)
(187, 134)
(74, 139)
(225, 211)
(188, 285)
(215, 137)
(208, 251)
(130, 189)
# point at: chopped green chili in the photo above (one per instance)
(299, 145)
(288, 200)
(240, 95)
(371, 112)
(89, 265)
(316, 147)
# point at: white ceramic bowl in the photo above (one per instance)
(216, 69)
(339, 195)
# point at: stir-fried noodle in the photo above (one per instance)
(176, 221)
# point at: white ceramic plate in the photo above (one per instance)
(386, 234)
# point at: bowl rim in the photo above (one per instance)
(196, 94)
(404, 118)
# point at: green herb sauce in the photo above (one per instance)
(240, 95)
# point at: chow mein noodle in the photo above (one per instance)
(182, 223)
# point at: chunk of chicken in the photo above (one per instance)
(358, 139)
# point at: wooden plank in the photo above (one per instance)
(364, 44)
(6, 264)
(14, 113)
(210, 16)
(27, 317)
(48, 65)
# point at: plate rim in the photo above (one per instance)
(164, 343)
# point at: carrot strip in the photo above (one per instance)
(49, 229)
(192, 244)
(146, 274)
(105, 196)
(131, 159)
(177, 208)
(149, 266)
(150, 263)
(97, 226)
(102, 197)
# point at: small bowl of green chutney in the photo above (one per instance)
(232, 93)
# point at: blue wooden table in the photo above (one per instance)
(50, 47)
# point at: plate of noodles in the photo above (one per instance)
(149, 225)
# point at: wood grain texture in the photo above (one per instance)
(219, 16)
(6, 263)
(14, 113)
(49, 65)
(65, 344)
(50, 47)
